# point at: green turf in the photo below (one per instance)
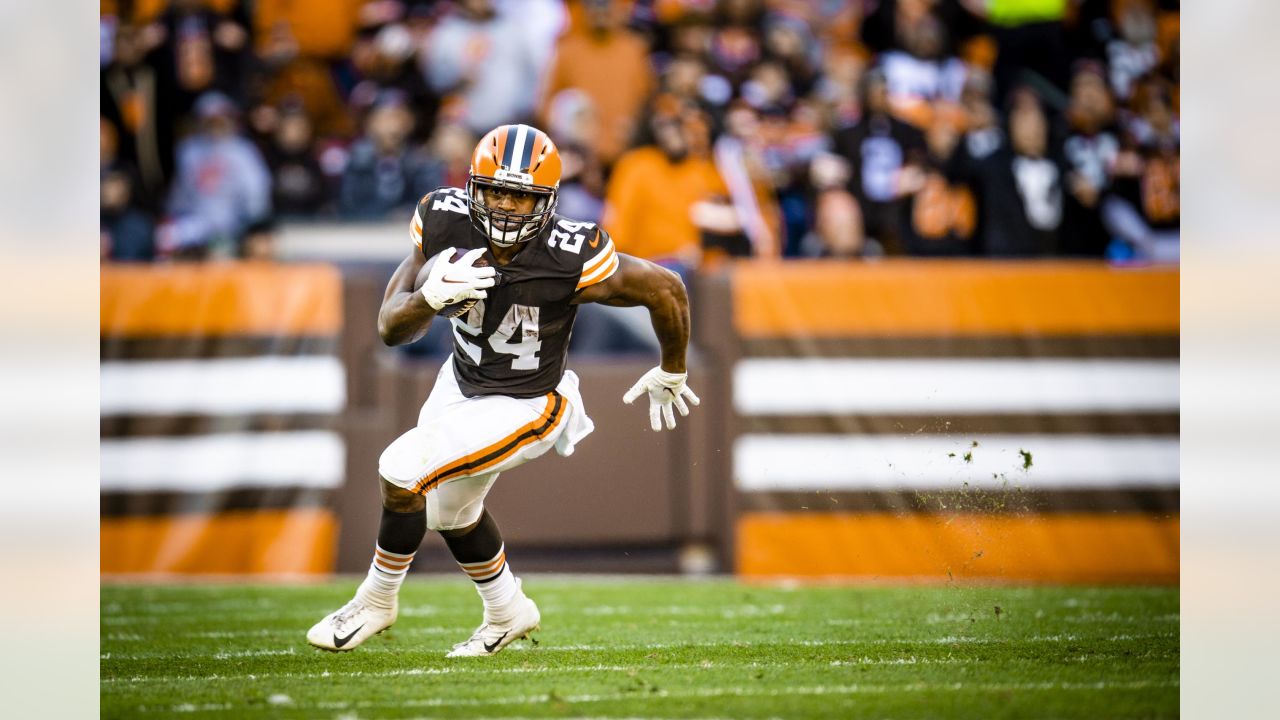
(651, 648)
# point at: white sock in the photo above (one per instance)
(386, 573)
(496, 584)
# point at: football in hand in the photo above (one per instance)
(455, 309)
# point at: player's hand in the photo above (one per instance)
(665, 390)
(451, 282)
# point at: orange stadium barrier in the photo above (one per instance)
(285, 542)
(1067, 548)
(233, 299)
(221, 391)
(946, 297)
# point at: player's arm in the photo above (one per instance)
(411, 300)
(640, 282)
(405, 314)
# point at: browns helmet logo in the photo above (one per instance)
(517, 158)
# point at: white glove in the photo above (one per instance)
(452, 282)
(665, 389)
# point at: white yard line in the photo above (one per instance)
(727, 611)
(947, 640)
(913, 660)
(1118, 618)
(259, 633)
(412, 672)
(219, 655)
(950, 640)
(179, 610)
(544, 647)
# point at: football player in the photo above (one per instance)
(508, 273)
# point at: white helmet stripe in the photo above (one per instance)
(522, 137)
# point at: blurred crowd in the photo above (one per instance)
(695, 130)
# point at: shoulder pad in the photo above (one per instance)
(599, 258)
(443, 199)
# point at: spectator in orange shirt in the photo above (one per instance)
(288, 76)
(323, 28)
(664, 196)
(611, 65)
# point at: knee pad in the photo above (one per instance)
(458, 503)
(406, 459)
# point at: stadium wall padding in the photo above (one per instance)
(221, 395)
(890, 420)
(955, 419)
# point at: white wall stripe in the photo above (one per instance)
(209, 463)
(815, 386)
(827, 462)
(227, 386)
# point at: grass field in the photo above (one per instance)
(651, 648)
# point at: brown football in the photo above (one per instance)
(458, 308)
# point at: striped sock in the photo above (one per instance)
(496, 585)
(382, 584)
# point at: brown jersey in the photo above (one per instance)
(515, 341)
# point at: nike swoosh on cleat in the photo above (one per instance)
(489, 648)
(339, 642)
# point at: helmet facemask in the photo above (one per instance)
(508, 228)
(516, 159)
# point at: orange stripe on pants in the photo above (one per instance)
(458, 467)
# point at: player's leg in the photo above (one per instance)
(375, 605)
(400, 532)
(456, 510)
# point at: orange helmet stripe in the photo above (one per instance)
(499, 142)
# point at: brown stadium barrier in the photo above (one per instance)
(1080, 316)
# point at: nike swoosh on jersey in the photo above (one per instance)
(594, 243)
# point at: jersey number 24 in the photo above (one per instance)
(516, 335)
